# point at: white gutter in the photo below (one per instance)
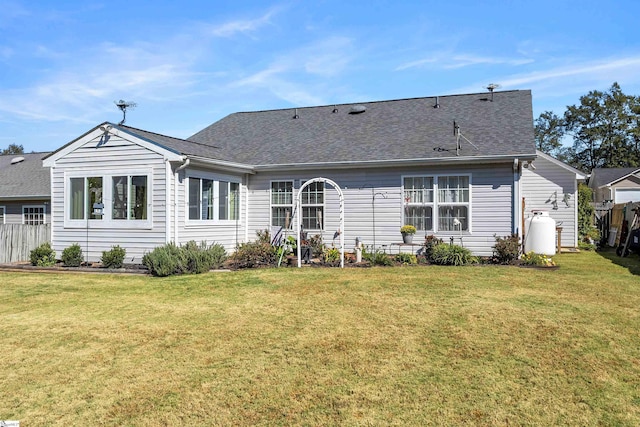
(517, 203)
(167, 201)
(176, 211)
(396, 162)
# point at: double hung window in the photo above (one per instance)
(437, 203)
(281, 203)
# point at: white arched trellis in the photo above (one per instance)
(299, 221)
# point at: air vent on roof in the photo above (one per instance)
(357, 109)
(16, 160)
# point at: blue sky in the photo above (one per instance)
(188, 64)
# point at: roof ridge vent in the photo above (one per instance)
(17, 160)
(357, 109)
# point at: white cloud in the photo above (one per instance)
(453, 61)
(231, 28)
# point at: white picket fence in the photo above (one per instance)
(18, 240)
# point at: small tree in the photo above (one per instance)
(586, 230)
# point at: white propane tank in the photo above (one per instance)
(540, 233)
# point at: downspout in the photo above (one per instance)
(175, 198)
(517, 205)
(167, 202)
(246, 208)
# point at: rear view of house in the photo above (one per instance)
(452, 166)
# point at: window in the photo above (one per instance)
(2, 215)
(281, 203)
(418, 198)
(453, 203)
(33, 215)
(439, 203)
(85, 192)
(129, 197)
(208, 198)
(313, 206)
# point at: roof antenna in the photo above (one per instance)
(123, 105)
(491, 87)
(458, 135)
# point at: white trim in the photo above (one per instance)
(107, 221)
(435, 205)
(216, 178)
(167, 201)
(96, 133)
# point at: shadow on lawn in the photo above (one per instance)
(631, 261)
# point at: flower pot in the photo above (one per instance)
(407, 238)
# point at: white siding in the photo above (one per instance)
(491, 204)
(226, 233)
(118, 156)
(550, 182)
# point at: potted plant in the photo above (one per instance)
(407, 232)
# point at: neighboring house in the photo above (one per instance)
(616, 185)
(25, 189)
(451, 165)
(551, 185)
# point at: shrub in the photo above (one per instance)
(532, 258)
(452, 255)
(43, 256)
(406, 258)
(192, 258)
(113, 258)
(506, 250)
(331, 255)
(316, 244)
(72, 256)
(255, 254)
(378, 257)
(430, 242)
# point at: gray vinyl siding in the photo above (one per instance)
(117, 157)
(13, 210)
(491, 204)
(549, 182)
(227, 233)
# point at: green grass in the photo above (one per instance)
(486, 345)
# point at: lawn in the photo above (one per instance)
(473, 346)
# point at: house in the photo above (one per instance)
(450, 165)
(25, 189)
(616, 185)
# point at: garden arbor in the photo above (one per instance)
(299, 221)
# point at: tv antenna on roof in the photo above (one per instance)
(458, 135)
(491, 87)
(123, 105)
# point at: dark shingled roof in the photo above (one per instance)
(178, 145)
(388, 130)
(25, 179)
(604, 176)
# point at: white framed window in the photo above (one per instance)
(213, 199)
(3, 215)
(419, 201)
(437, 203)
(281, 203)
(110, 199)
(33, 214)
(312, 205)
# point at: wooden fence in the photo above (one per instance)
(18, 240)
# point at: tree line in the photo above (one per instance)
(603, 131)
